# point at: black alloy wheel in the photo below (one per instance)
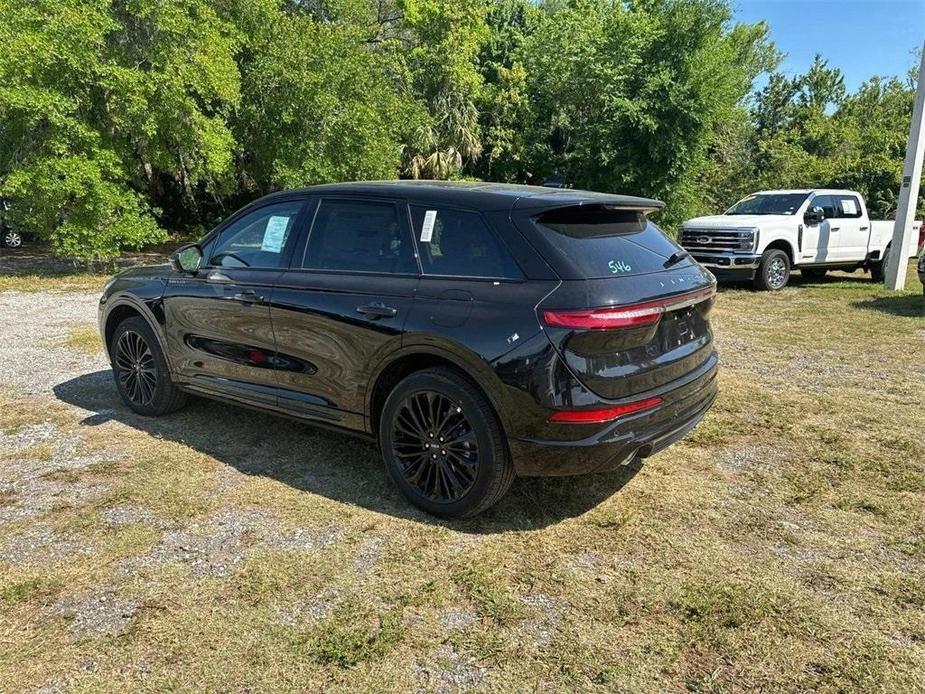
(135, 368)
(140, 370)
(435, 445)
(443, 445)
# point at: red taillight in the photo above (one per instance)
(606, 414)
(629, 316)
(922, 237)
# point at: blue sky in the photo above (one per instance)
(861, 37)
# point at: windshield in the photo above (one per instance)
(769, 203)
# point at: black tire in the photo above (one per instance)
(426, 467)
(773, 271)
(811, 273)
(878, 269)
(140, 370)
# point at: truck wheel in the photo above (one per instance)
(812, 273)
(773, 270)
(878, 269)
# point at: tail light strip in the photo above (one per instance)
(605, 414)
(628, 316)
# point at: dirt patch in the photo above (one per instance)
(445, 670)
(39, 544)
(216, 545)
(92, 615)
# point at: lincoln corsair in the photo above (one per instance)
(475, 331)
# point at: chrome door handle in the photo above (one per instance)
(220, 277)
(377, 311)
(248, 296)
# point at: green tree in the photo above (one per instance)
(318, 103)
(446, 38)
(628, 97)
(101, 100)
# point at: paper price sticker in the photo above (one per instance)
(275, 234)
(427, 229)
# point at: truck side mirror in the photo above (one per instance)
(813, 216)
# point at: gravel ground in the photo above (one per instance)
(34, 327)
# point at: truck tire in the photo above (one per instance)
(773, 271)
(812, 273)
(878, 269)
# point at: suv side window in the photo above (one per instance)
(359, 236)
(847, 206)
(258, 239)
(459, 244)
(827, 203)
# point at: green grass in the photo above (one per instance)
(85, 338)
(76, 282)
(780, 547)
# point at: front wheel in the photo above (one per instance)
(140, 370)
(773, 270)
(443, 446)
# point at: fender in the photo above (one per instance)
(146, 312)
(474, 367)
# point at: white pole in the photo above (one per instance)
(898, 260)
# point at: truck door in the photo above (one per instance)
(850, 228)
(818, 244)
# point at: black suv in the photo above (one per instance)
(477, 331)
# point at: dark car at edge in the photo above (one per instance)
(476, 331)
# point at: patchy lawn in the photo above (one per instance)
(781, 546)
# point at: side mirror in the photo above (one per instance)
(813, 216)
(187, 259)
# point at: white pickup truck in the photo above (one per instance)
(764, 236)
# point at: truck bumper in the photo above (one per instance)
(728, 266)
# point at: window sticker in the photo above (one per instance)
(427, 228)
(275, 234)
(848, 206)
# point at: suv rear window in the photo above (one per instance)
(602, 241)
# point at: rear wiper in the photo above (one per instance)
(676, 258)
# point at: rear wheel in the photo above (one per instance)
(773, 270)
(140, 370)
(812, 273)
(443, 445)
(11, 239)
(878, 269)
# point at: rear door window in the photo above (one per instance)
(359, 236)
(600, 241)
(457, 243)
(847, 206)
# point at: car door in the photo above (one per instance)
(219, 335)
(818, 244)
(472, 291)
(342, 305)
(850, 228)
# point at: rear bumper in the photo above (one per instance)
(626, 439)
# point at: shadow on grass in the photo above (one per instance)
(337, 466)
(905, 305)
